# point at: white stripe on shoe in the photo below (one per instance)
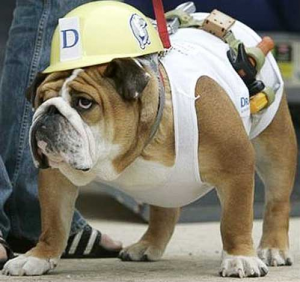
(91, 242)
(75, 243)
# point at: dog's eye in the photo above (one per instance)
(84, 103)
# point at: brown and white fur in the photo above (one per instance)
(123, 117)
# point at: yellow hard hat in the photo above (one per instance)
(98, 32)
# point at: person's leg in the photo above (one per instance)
(27, 53)
(5, 192)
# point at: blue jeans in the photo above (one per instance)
(27, 52)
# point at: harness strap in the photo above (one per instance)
(185, 19)
(161, 23)
(161, 105)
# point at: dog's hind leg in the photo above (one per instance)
(227, 161)
(276, 153)
(153, 243)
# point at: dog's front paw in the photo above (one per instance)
(28, 265)
(242, 266)
(141, 251)
(275, 257)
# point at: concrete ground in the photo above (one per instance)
(192, 255)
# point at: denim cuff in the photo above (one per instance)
(77, 225)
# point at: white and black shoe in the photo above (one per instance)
(87, 244)
(9, 252)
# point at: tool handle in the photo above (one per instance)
(258, 102)
(266, 45)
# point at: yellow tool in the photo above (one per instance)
(265, 98)
(247, 62)
(258, 102)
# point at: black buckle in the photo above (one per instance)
(245, 69)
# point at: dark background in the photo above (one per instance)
(261, 15)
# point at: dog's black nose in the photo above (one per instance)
(85, 169)
(48, 124)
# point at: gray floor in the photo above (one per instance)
(192, 255)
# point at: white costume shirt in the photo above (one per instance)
(196, 53)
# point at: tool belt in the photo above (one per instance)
(247, 61)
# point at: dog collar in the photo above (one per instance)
(161, 104)
(153, 62)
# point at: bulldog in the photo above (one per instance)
(166, 133)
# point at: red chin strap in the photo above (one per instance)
(161, 23)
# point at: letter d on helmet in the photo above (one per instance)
(98, 32)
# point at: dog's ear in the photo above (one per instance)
(31, 90)
(129, 77)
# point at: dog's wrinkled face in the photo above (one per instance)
(86, 118)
